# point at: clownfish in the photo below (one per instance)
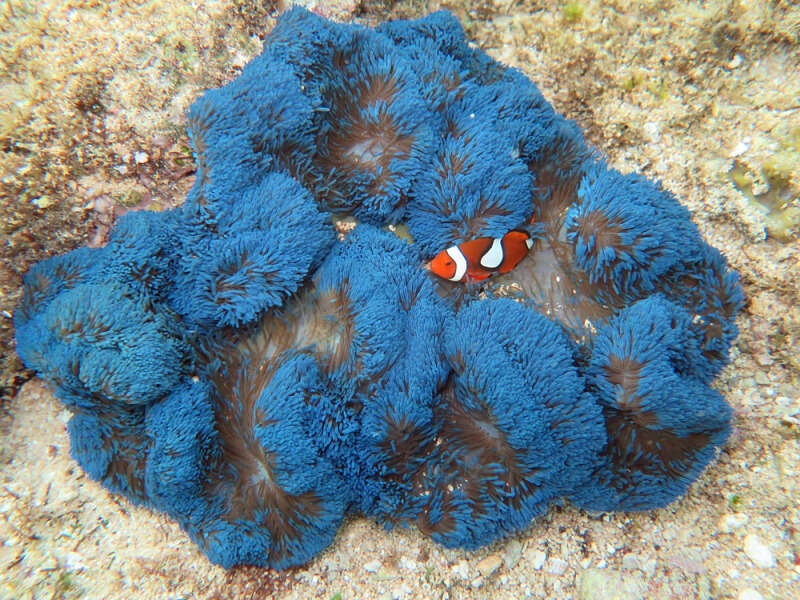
(477, 259)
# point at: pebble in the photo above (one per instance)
(372, 566)
(460, 570)
(400, 591)
(141, 157)
(730, 522)
(735, 62)
(512, 554)
(652, 131)
(649, 567)
(631, 562)
(43, 201)
(489, 565)
(750, 594)
(764, 359)
(537, 561)
(741, 148)
(409, 564)
(758, 552)
(556, 566)
(606, 584)
(748, 383)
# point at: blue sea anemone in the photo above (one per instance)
(240, 367)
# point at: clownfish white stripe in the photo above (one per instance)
(493, 257)
(458, 257)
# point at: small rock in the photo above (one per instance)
(652, 131)
(43, 201)
(748, 383)
(400, 592)
(537, 561)
(688, 562)
(630, 562)
(477, 582)
(602, 584)
(759, 186)
(372, 566)
(735, 62)
(732, 521)
(140, 158)
(512, 554)
(408, 564)
(750, 594)
(761, 378)
(460, 570)
(741, 148)
(489, 565)
(764, 359)
(162, 141)
(649, 568)
(556, 566)
(758, 552)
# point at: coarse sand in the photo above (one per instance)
(701, 95)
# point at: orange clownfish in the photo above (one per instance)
(477, 259)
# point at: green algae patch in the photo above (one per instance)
(771, 193)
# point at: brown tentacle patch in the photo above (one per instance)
(246, 475)
(634, 433)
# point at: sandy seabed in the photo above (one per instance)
(700, 95)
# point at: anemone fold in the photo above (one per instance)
(663, 425)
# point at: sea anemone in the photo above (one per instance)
(236, 365)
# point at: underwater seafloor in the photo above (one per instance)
(703, 96)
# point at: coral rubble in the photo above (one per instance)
(232, 364)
